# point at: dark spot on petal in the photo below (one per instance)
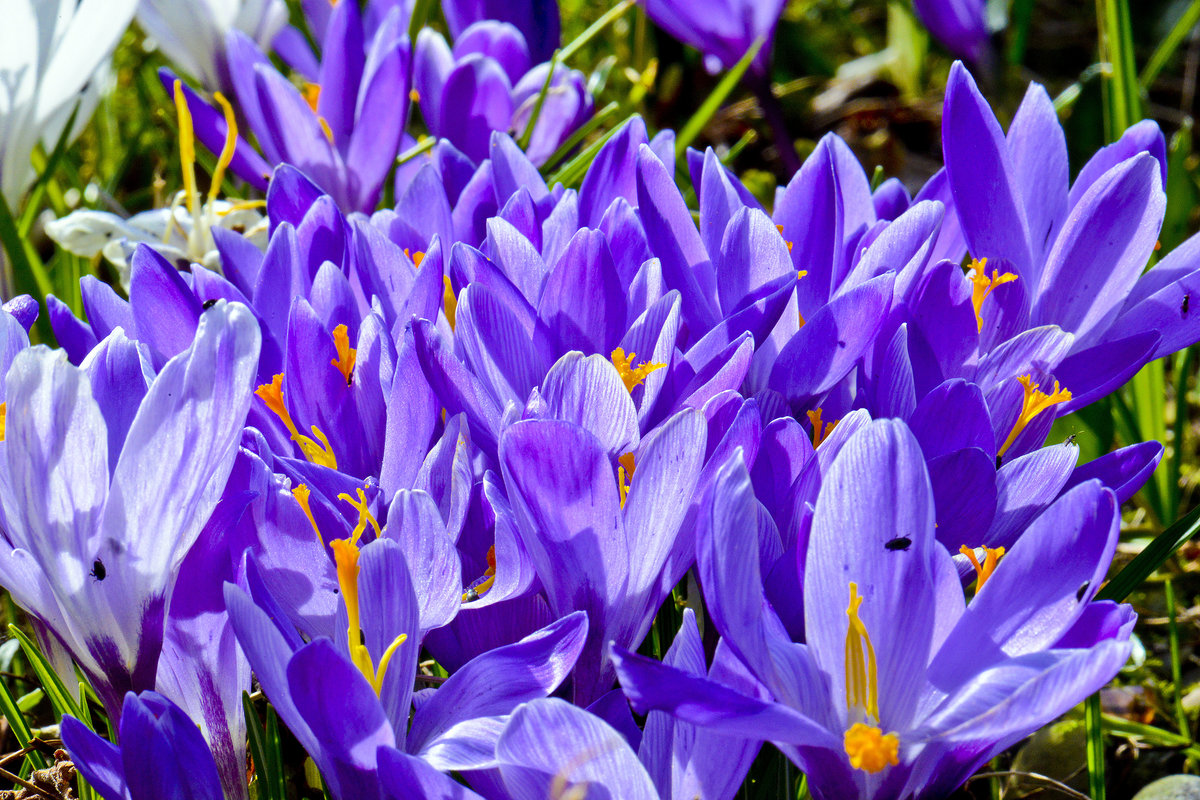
(1082, 590)
(209, 304)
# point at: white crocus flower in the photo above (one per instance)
(51, 52)
(192, 33)
(182, 232)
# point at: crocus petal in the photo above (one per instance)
(982, 177)
(549, 746)
(496, 682)
(405, 777)
(588, 391)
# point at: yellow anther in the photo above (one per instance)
(1033, 403)
(862, 679)
(870, 749)
(326, 129)
(301, 492)
(820, 435)
(449, 301)
(312, 95)
(631, 376)
(345, 555)
(416, 257)
(365, 517)
(800, 274)
(983, 285)
(187, 148)
(789, 244)
(346, 354)
(227, 149)
(625, 474)
(3, 419)
(272, 395)
(414, 95)
(480, 589)
(991, 557)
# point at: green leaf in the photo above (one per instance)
(705, 112)
(60, 698)
(26, 702)
(1122, 100)
(20, 728)
(1170, 43)
(1095, 747)
(573, 171)
(1150, 559)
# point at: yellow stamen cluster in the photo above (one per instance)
(416, 257)
(3, 419)
(272, 395)
(625, 474)
(789, 244)
(819, 435)
(480, 589)
(414, 95)
(862, 677)
(197, 237)
(312, 95)
(1033, 403)
(346, 355)
(870, 749)
(991, 557)
(631, 376)
(983, 285)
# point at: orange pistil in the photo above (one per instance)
(991, 558)
(480, 589)
(301, 492)
(449, 301)
(416, 257)
(820, 435)
(1035, 402)
(346, 354)
(272, 395)
(631, 376)
(625, 474)
(983, 285)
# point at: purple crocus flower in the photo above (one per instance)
(597, 544)
(161, 754)
(537, 20)
(724, 31)
(109, 480)
(960, 25)
(902, 689)
(488, 82)
(1077, 252)
(344, 699)
(343, 131)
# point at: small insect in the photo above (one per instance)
(1082, 590)
(98, 571)
(1070, 440)
(1187, 299)
(208, 304)
(998, 460)
(899, 543)
(470, 595)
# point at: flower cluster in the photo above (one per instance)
(430, 475)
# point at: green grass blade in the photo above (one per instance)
(1148, 390)
(598, 119)
(420, 14)
(1095, 746)
(1022, 15)
(704, 113)
(1170, 43)
(536, 113)
(1156, 553)
(20, 728)
(1122, 100)
(28, 272)
(580, 41)
(60, 698)
(273, 750)
(254, 732)
(46, 172)
(1181, 719)
(573, 171)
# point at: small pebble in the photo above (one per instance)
(1172, 787)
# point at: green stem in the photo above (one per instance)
(1095, 747)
